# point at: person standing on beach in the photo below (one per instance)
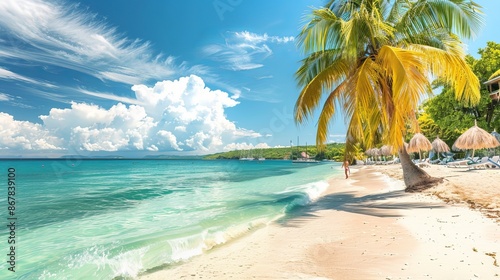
(346, 168)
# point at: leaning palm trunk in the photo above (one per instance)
(415, 178)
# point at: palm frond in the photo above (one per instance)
(314, 64)
(327, 114)
(450, 67)
(397, 10)
(311, 94)
(462, 17)
(361, 103)
(409, 84)
(321, 33)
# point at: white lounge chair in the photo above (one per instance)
(395, 160)
(495, 161)
(482, 164)
(458, 163)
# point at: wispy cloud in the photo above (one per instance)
(266, 77)
(110, 96)
(257, 38)
(239, 56)
(244, 50)
(337, 138)
(214, 80)
(9, 75)
(65, 35)
(5, 97)
(13, 100)
(264, 95)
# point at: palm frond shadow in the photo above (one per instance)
(378, 205)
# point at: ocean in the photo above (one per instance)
(117, 219)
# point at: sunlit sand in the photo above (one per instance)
(367, 227)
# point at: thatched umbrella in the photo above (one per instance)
(439, 146)
(419, 143)
(375, 152)
(475, 138)
(386, 150)
(369, 152)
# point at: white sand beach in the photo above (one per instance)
(367, 227)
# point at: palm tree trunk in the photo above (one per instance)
(415, 178)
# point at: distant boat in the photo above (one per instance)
(248, 157)
(305, 160)
(261, 156)
(304, 156)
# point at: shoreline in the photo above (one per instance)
(365, 227)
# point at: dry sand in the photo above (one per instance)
(479, 188)
(367, 227)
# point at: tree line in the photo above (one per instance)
(333, 151)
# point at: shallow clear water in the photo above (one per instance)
(103, 219)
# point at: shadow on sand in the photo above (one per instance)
(378, 205)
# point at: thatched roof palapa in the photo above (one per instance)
(419, 143)
(475, 138)
(386, 150)
(439, 146)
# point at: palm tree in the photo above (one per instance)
(375, 60)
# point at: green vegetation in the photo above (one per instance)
(448, 118)
(332, 152)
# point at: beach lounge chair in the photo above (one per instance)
(495, 161)
(482, 164)
(395, 160)
(436, 161)
(458, 163)
(447, 157)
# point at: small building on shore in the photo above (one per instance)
(493, 86)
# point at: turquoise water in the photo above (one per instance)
(105, 219)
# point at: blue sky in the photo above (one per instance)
(155, 77)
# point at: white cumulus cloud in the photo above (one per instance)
(23, 135)
(180, 115)
(245, 146)
(192, 112)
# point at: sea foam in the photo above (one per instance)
(305, 194)
(187, 247)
